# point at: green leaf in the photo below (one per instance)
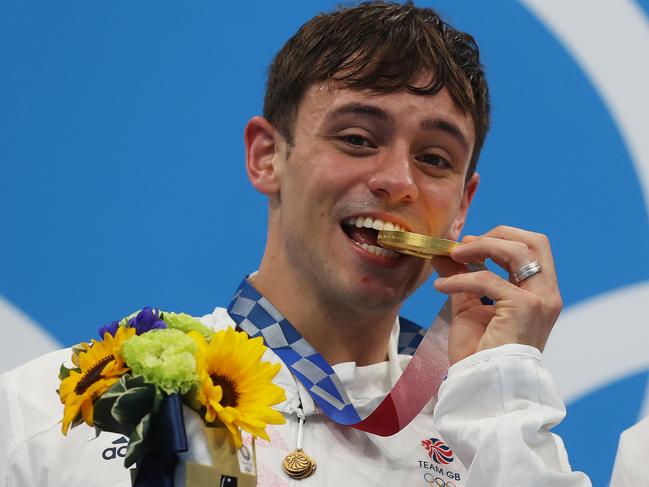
(131, 406)
(64, 372)
(113, 413)
(127, 408)
(139, 444)
(104, 419)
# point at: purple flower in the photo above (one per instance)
(110, 328)
(146, 320)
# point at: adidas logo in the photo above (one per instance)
(116, 450)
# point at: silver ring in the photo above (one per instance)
(528, 270)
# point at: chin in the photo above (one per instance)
(374, 297)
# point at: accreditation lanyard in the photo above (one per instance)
(419, 382)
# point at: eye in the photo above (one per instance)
(356, 140)
(434, 160)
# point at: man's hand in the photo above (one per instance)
(523, 313)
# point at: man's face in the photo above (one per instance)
(360, 158)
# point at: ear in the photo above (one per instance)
(469, 191)
(262, 152)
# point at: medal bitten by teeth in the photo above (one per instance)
(416, 244)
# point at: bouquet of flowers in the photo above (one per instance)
(136, 378)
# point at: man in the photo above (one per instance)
(374, 118)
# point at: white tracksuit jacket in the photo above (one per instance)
(631, 468)
(494, 411)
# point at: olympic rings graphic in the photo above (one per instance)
(245, 453)
(437, 481)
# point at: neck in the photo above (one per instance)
(338, 332)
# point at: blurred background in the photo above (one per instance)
(122, 181)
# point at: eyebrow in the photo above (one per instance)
(361, 109)
(380, 114)
(448, 127)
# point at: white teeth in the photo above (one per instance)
(374, 223)
(373, 249)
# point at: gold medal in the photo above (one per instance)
(416, 244)
(298, 465)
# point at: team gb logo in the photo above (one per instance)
(438, 451)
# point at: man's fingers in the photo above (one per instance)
(508, 254)
(538, 244)
(481, 283)
(447, 267)
(523, 312)
(512, 248)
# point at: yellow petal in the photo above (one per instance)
(88, 412)
(233, 355)
(70, 413)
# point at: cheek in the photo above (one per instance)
(316, 178)
(441, 208)
(440, 212)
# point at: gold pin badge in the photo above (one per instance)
(416, 244)
(298, 465)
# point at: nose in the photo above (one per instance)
(394, 179)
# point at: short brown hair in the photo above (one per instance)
(381, 46)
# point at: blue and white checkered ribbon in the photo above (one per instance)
(255, 315)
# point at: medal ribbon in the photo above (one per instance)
(418, 383)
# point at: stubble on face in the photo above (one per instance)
(357, 153)
(321, 186)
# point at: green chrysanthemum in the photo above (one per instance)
(186, 323)
(165, 358)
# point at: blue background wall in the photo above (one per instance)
(122, 181)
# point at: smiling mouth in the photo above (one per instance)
(364, 231)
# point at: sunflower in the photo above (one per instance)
(235, 385)
(99, 366)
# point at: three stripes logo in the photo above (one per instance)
(438, 451)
